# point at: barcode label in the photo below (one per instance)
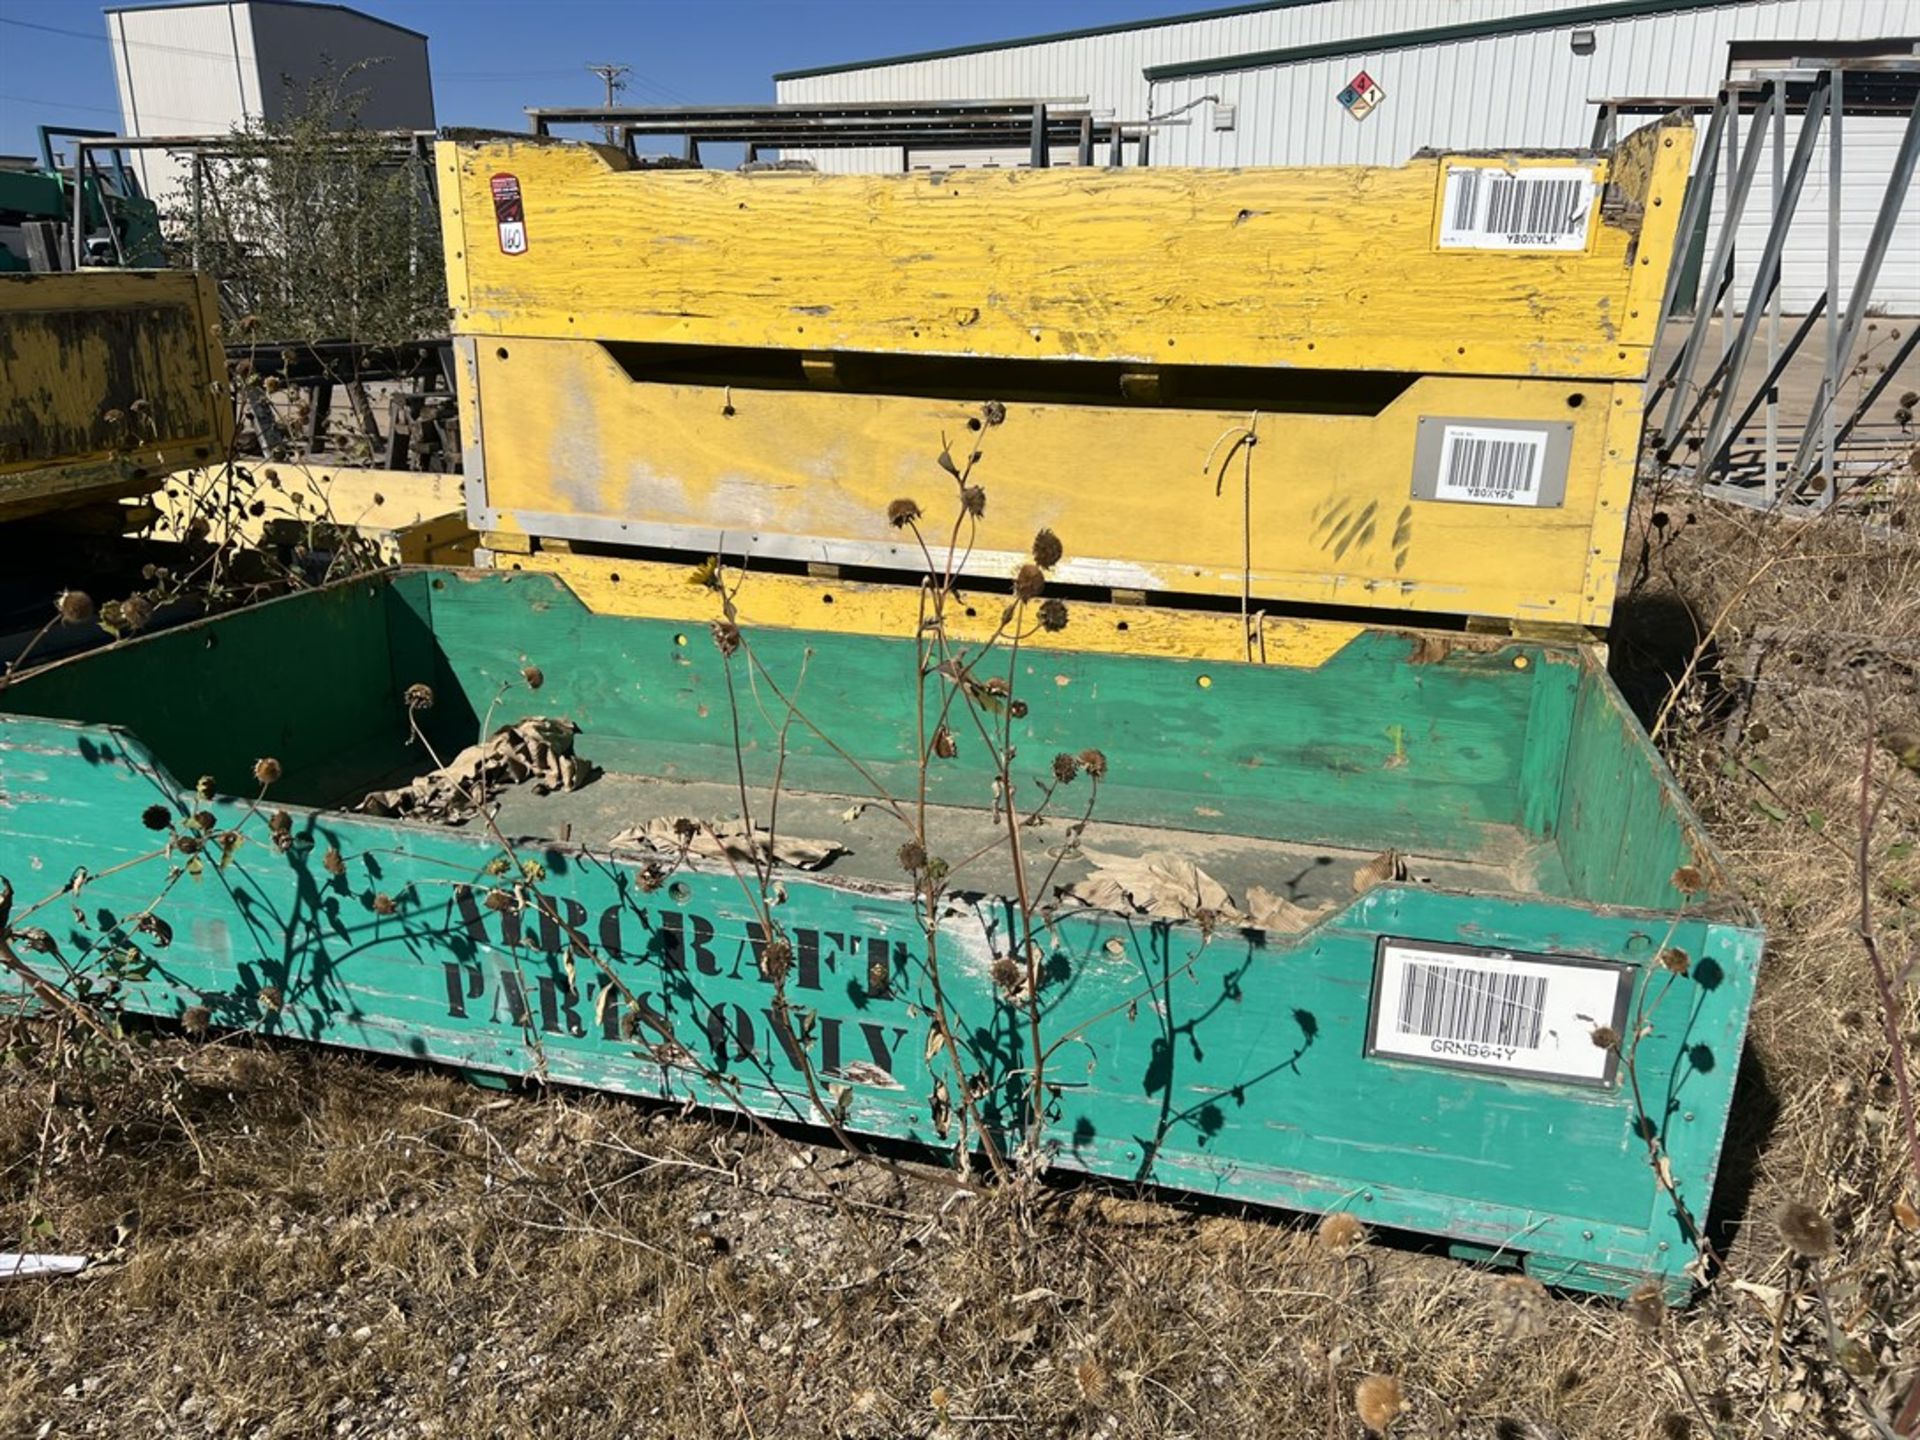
(1494, 1010)
(1479, 1007)
(1491, 467)
(1543, 207)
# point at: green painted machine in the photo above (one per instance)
(1404, 918)
(39, 209)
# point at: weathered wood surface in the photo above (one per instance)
(1332, 268)
(1319, 509)
(108, 380)
(1233, 1064)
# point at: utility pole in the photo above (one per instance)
(616, 79)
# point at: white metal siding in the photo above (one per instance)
(188, 70)
(1532, 90)
(203, 69)
(1106, 70)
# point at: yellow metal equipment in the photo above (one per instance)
(109, 379)
(1252, 385)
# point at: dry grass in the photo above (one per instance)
(313, 1244)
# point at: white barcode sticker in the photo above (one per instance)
(1491, 466)
(1538, 207)
(1495, 1010)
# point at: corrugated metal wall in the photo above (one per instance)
(203, 69)
(1533, 90)
(1513, 90)
(1108, 70)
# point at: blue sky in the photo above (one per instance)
(491, 57)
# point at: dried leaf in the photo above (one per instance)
(1160, 884)
(725, 839)
(1387, 866)
(537, 751)
(1268, 911)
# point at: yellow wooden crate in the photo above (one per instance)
(108, 380)
(1256, 385)
(1322, 509)
(1328, 268)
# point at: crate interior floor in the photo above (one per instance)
(1314, 876)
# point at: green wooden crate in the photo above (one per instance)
(1342, 1067)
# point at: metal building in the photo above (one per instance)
(202, 69)
(1276, 84)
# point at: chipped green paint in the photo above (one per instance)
(1233, 1065)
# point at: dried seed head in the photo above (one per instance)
(903, 512)
(496, 866)
(1065, 767)
(1008, 974)
(383, 905)
(188, 843)
(1605, 1037)
(944, 745)
(1028, 581)
(776, 958)
(280, 826)
(1047, 549)
(498, 900)
(879, 977)
(1053, 615)
(684, 830)
(533, 675)
(1092, 1379)
(993, 412)
(195, 1019)
(270, 999)
(75, 607)
(1688, 880)
(204, 787)
(1379, 1401)
(1094, 762)
(1808, 1233)
(651, 877)
(267, 770)
(1647, 1307)
(973, 500)
(419, 697)
(1017, 709)
(1340, 1232)
(203, 820)
(726, 637)
(913, 857)
(334, 862)
(1674, 960)
(156, 817)
(135, 612)
(1522, 1308)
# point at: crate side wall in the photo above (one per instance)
(1334, 268)
(305, 680)
(1234, 1064)
(1368, 750)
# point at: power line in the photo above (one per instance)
(616, 78)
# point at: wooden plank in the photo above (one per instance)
(1321, 268)
(656, 590)
(1321, 510)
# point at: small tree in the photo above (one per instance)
(316, 227)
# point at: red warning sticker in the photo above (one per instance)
(509, 214)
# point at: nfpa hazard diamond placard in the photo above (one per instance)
(1361, 95)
